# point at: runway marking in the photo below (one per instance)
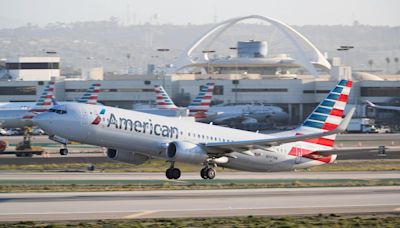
(139, 214)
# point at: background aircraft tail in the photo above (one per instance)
(44, 102)
(202, 102)
(162, 99)
(91, 95)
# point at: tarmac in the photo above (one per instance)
(198, 203)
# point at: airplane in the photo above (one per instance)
(166, 107)
(201, 110)
(245, 113)
(20, 116)
(395, 108)
(135, 137)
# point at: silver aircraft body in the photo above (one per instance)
(135, 137)
(20, 114)
(247, 113)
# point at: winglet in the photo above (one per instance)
(345, 122)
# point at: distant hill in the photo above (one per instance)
(115, 47)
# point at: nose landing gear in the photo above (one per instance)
(64, 150)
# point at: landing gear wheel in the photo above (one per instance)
(64, 151)
(176, 173)
(210, 173)
(168, 173)
(203, 173)
(207, 173)
(173, 173)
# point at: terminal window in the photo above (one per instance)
(380, 91)
(259, 90)
(18, 90)
(32, 66)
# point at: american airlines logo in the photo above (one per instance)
(145, 127)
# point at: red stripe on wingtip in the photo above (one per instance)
(349, 84)
(321, 141)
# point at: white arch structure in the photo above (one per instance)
(289, 32)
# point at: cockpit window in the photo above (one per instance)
(60, 109)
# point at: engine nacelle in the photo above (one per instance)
(126, 156)
(186, 152)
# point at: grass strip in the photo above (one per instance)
(140, 185)
(161, 166)
(329, 221)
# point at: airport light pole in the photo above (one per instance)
(236, 63)
(163, 50)
(345, 49)
(206, 52)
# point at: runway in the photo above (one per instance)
(50, 176)
(197, 203)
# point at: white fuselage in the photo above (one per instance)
(150, 134)
(13, 118)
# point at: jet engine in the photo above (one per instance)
(186, 152)
(126, 156)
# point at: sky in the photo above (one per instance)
(15, 13)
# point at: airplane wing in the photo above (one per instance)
(395, 108)
(243, 146)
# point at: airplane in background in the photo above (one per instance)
(166, 107)
(245, 114)
(394, 108)
(135, 137)
(17, 116)
(201, 110)
(20, 116)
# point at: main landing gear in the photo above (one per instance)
(172, 172)
(207, 173)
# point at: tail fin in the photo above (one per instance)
(327, 115)
(91, 95)
(201, 103)
(162, 99)
(44, 102)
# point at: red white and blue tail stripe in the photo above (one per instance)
(202, 102)
(326, 116)
(91, 95)
(44, 101)
(329, 113)
(162, 99)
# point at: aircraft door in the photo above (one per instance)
(299, 154)
(85, 121)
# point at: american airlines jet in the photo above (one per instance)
(19, 117)
(135, 137)
(166, 107)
